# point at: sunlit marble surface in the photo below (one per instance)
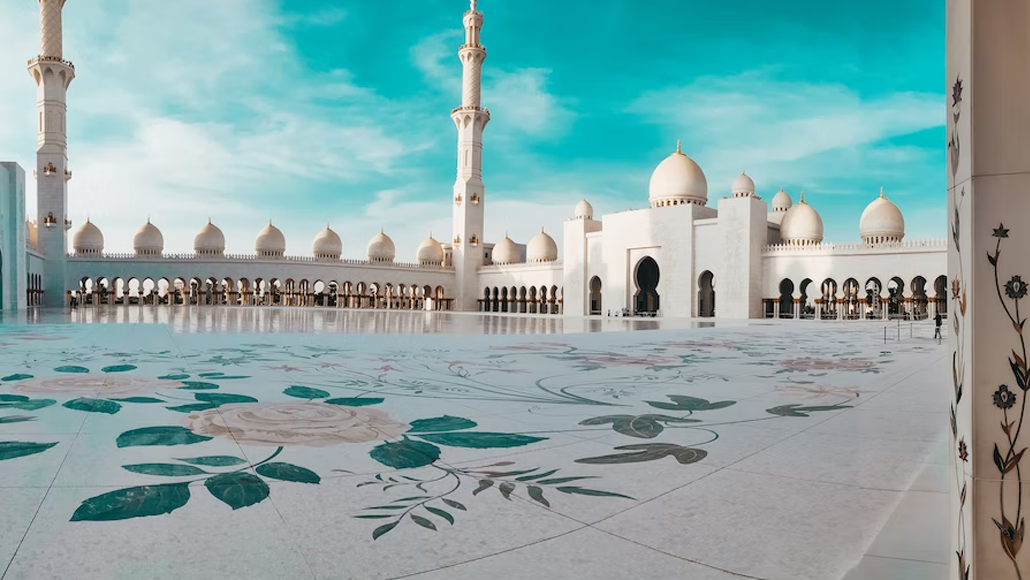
(277, 443)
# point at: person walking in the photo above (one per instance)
(937, 330)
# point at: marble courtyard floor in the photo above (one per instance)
(192, 448)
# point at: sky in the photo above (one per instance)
(338, 111)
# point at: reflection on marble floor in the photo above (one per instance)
(218, 319)
(134, 451)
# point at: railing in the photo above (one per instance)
(470, 108)
(257, 258)
(42, 58)
(938, 244)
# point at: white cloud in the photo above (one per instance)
(193, 109)
(775, 129)
(519, 101)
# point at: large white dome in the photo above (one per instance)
(327, 245)
(801, 225)
(148, 240)
(881, 222)
(584, 211)
(678, 180)
(270, 242)
(743, 186)
(209, 241)
(782, 201)
(381, 248)
(88, 239)
(541, 248)
(506, 252)
(430, 252)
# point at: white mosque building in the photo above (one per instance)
(680, 257)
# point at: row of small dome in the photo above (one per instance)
(270, 242)
(678, 179)
(327, 245)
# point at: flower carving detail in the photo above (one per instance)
(1015, 288)
(1004, 398)
(963, 450)
(307, 424)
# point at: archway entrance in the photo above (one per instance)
(595, 295)
(645, 301)
(706, 295)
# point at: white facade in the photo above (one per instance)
(678, 257)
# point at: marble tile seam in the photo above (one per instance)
(39, 507)
(488, 556)
(903, 559)
(535, 505)
(821, 481)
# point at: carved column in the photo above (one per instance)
(988, 128)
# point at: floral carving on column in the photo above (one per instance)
(959, 431)
(1007, 457)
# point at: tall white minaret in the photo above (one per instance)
(471, 119)
(53, 75)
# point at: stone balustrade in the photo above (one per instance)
(938, 244)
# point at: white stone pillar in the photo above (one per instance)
(776, 308)
(988, 178)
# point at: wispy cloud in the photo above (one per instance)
(519, 99)
(757, 121)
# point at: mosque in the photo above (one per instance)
(682, 256)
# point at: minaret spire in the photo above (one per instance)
(52, 75)
(470, 118)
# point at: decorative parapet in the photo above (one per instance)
(131, 256)
(470, 108)
(556, 265)
(58, 59)
(919, 245)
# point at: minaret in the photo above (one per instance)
(470, 119)
(53, 75)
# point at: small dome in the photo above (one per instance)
(584, 211)
(782, 201)
(430, 252)
(381, 248)
(881, 222)
(743, 186)
(801, 225)
(88, 239)
(270, 242)
(327, 245)
(541, 248)
(678, 180)
(209, 241)
(506, 252)
(148, 240)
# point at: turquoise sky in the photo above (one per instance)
(338, 111)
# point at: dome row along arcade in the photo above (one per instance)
(88, 240)
(678, 179)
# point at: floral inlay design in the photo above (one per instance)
(309, 424)
(1007, 458)
(639, 394)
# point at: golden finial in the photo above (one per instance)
(802, 196)
(472, 5)
(881, 193)
(678, 150)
